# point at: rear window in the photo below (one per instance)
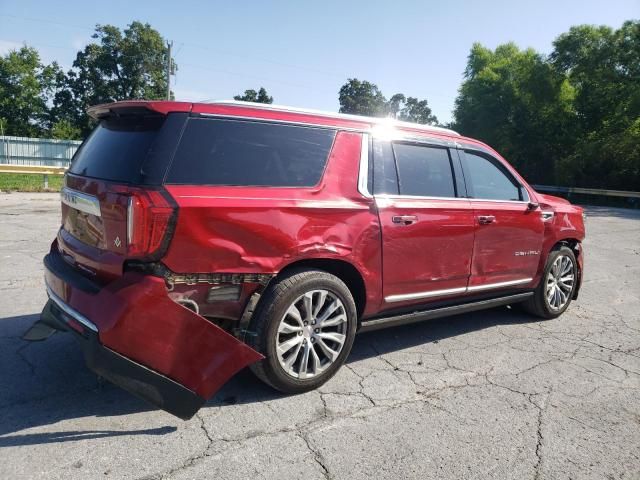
(247, 153)
(116, 149)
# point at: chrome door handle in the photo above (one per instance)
(404, 219)
(486, 219)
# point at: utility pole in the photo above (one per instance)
(169, 45)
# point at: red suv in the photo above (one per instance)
(199, 238)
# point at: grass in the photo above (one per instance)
(19, 182)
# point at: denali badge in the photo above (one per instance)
(526, 253)
(117, 242)
(80, 201)
(68, 198)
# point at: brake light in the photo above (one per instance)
(149, 221)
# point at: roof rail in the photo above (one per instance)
(322, 113)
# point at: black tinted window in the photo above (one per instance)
(424, 171)
(116, 149)
(489, 181)
(227, 152)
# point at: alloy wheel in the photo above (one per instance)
(311, 334)
(560, 281)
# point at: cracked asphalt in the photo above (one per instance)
(494, 394)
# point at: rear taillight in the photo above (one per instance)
(150, 218)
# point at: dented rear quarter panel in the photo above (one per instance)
(265, 229)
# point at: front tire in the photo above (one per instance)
(305, 327)
(557, 285)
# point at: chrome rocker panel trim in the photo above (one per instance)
(453, 291)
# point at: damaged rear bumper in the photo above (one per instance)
(135, 336)
(133, 377)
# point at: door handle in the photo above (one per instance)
(486, 219)
(404, 219)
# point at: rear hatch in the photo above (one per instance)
(113, 205)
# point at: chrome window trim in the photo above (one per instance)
(80, 201)
(415, 197)
(400, 136)
(452, 291)
(363, 171)
(522, 202)
(71, 311)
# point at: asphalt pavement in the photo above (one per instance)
(494, 394)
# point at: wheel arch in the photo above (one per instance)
(342, 269)
(575, 245)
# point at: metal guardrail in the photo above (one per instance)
(45, 171)
(38, 169)
(587, 191)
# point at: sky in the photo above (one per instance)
(302, 52)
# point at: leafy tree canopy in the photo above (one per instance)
(362, 98)
(26, 85)
(261, 96)
(417, 111)
(513, 100)
(603, 66)
(571, 118)
(365, 98)
(120, 65)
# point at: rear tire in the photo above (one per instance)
(557, 285)
(304, 326)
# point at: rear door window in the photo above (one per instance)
(424, 171)
(250, 153)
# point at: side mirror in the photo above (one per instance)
(532, 206)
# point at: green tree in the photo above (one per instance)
(26, 86)
(572, 118)
(394, 105)
(261, 96)
(515, 101)
(365, 98)
(362, 98)
(603, 67)
(121, 65)
(65, 130)
(417, 111)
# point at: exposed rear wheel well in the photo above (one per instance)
(341, 269)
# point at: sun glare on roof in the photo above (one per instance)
(385, 129)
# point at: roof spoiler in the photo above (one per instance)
(137, 107)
